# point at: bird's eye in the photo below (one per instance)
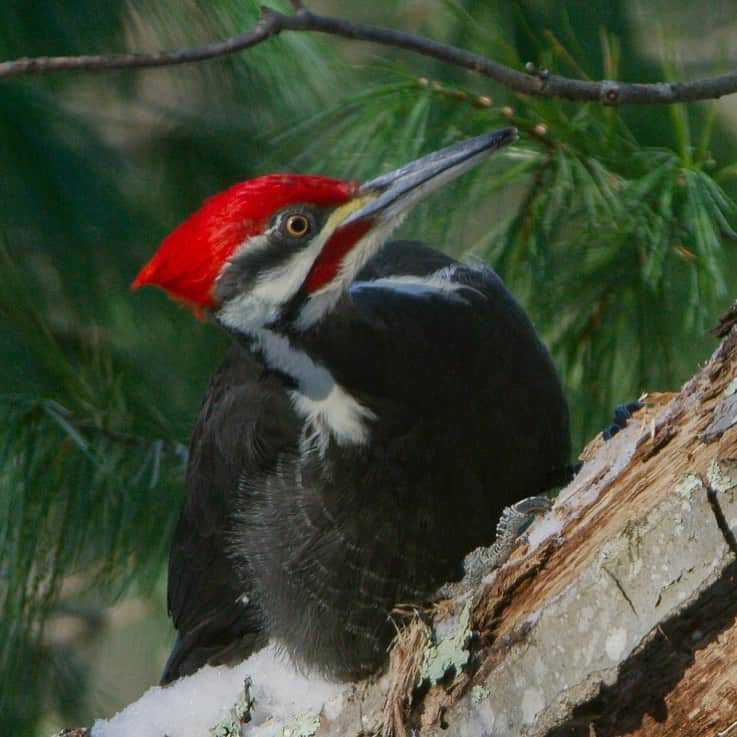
(297, 225)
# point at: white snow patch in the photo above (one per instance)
(598, 473)
(551, 525)
(489, 578)
(192, 705)
(586, 498)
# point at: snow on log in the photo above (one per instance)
(617, 616)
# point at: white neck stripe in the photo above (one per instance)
(327, 408)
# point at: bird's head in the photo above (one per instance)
(284, 247)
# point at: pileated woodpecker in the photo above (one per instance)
(379, 406)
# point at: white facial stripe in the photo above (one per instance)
(280, 284)
(260, 305)
(369, 245)
(255, 243)
(245, 313)
(328, 409)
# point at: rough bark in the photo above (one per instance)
(618, 616)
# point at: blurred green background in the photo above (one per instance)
(615, 229)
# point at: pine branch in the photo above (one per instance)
(536, 82)
(77, 426)
(75, 497)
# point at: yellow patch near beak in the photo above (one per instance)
(342, 213)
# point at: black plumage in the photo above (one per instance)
(279, 538)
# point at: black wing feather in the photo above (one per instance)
(243, 424)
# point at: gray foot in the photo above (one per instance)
(513, 521)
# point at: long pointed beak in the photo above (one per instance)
(393, 194)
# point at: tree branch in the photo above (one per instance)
(534, 81)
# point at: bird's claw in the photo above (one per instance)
(514, 520)
(622, 413)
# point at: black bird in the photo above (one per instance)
(380, 405)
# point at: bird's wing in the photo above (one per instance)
(466, 341)
(243, 424)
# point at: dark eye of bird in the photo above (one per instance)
(297, 225)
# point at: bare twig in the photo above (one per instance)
(266, 27)
(271, 23)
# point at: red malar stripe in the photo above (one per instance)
(328, 263)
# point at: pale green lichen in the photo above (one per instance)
(238, 715)
(449, 653)
(303, 725)
(689, 485)
(478, 694)
(722, 475)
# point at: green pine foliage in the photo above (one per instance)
(615, 228)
